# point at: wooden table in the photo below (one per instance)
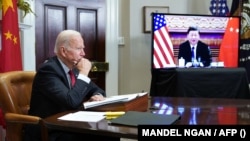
(204, 111)
(193, 111)
(100, 128)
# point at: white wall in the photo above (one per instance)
(112, 47)
(28, 40)
(129, 63)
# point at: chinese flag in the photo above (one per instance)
(10, 53)
(230, 44)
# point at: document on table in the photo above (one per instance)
(84, 116)
(129, 97)
(113, 99)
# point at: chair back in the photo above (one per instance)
(15, 94)
(15, 88)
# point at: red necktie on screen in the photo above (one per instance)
(72, 78)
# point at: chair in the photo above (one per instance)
(15, 93)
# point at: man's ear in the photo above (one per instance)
(62, 51)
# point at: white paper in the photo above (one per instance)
(84, 116)
(129, 97)
(113, 99)
(103, 102)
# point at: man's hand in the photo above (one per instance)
(96, 98)
(84, 66)
(201, 64)
(189, 64)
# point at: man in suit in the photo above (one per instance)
(195, 52)
(54, 90)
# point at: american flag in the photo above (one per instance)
(163, 55)
(219, 8)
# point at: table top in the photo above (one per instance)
(204, 111)
(193, 111)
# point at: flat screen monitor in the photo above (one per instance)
(170, 32)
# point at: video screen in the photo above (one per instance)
(185, 40)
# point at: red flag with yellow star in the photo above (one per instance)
(10, 52)
(230, 45)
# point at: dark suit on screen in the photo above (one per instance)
(202, 52)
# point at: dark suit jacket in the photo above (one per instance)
(202, 52)
(52, 94)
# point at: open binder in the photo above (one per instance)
(130, 102)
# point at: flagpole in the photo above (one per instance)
(240, 7)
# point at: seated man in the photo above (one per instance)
(56, 90)
(193, 51)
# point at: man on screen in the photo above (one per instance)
(195, 52)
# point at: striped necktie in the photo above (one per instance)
(72, 77)
(193, 54)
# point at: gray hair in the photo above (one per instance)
(63, 39)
